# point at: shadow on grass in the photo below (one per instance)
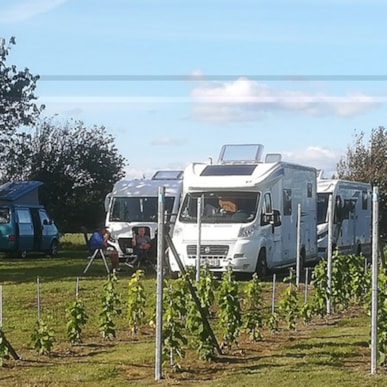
(69, 264)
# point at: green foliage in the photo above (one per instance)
(273, 322)
(288, 303)
(320, 285)
(43, 337)
(76, 319)
(175, 310)
(17, 107)
(206, 287)
(111, 307)
(229, 313)
(136, 301)
(306, 312)
(381, 318)
(78, 166)
(202, 339)
(349, 283)
(253, 317)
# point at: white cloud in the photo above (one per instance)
(324, 159)
(248, 100)
(21, 11)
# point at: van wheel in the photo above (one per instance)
(53, 252)
(22, 254)
(261, 268)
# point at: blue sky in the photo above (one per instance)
(174, 80)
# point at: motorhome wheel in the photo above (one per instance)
(261, 268)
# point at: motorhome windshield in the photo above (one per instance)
(220, 207)
(138, 209)
(322, 207)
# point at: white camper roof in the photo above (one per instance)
(198, 177)
(171, 180)
(331, 185)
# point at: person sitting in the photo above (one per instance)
(141, 244)
(99, 240)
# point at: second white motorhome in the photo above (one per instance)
(351, 216)
(134, 203)
(249, 212)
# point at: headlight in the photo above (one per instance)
(322, 235)
(246, 231)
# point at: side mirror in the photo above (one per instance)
(276, 218)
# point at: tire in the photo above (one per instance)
(261, 268)
(53, 252)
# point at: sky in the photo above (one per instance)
(174, 80)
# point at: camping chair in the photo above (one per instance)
(96, 253)
(145, 262)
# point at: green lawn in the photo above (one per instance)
(332, 351)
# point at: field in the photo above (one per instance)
(328, 351)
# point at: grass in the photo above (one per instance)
(327, 352)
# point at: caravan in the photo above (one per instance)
(134, 203)
(249, 212)
(351, 216)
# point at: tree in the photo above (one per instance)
(17, 107)
(78, 166)
(367, 162)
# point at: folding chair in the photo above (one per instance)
(129, 257)
(146, 261)
(100, 253)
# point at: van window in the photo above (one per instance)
(4, 215)
(44, 217)
(24, 216)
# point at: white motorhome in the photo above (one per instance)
(351, 216)
(134, 203)
(249, 212)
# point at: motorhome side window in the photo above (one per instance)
(309, 190)
(287, 201)
(338, 210)
(364, 197)
(322, 207)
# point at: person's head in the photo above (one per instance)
(102, 229)
(141, 231)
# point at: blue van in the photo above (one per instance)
(25, 225)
